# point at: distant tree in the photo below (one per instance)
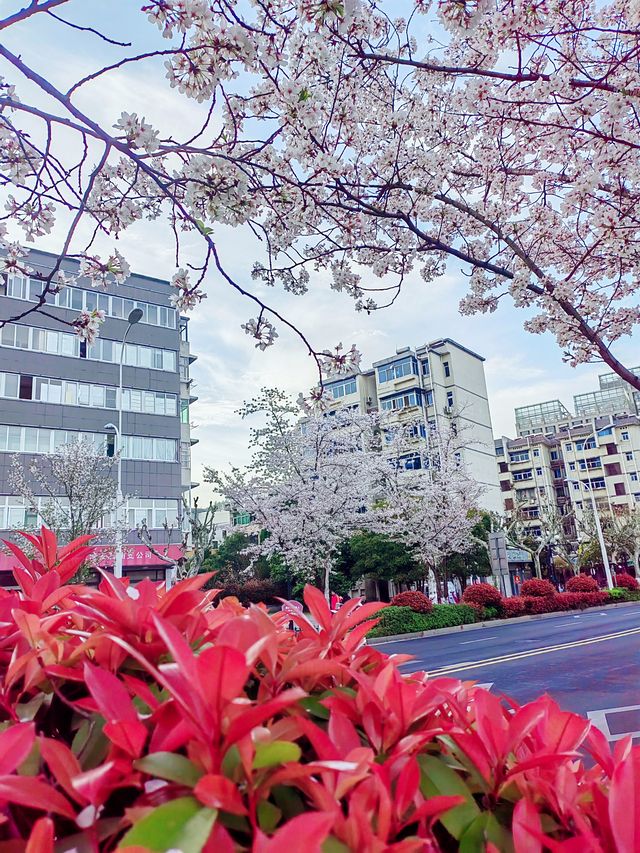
(74, 490)
(379, 557)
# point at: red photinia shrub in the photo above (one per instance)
(625, 581)
(580, 600)
(417, 601)
(514, 606)
(136, 718)
(482, 595)
(537, 588)
(582, 583)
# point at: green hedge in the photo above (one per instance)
(404, 620)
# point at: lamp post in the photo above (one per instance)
(603, 547)
(134, 317)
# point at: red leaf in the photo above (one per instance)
(218, 792)
(42, 837)
(624, 804)
(407, 786)
(63, 764)
(222, 672)
(310, 830)
(16, 743)
(110, 694)
(318, 607)
(526, 827)
(130, 736)
(74, 544)
(27, 791)
(49, 547)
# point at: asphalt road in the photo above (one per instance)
(589, 663)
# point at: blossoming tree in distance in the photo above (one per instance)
(497, 136)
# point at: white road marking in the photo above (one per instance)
(468, 642)
(599, 719)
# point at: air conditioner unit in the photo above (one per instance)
(369, 401)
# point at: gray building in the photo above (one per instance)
(53, 387)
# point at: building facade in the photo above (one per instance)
(439, 380)
(55, 388)
(553, 472)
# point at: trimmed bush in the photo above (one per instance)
(398, 620)
(626, 581)
(582, 583)
(514, 606)
(404, 620)
(619, 594)
(491, 613)
(417, 601)
(541, 604)
(537, 588)
(482, 595)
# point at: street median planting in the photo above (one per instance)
(404, 620)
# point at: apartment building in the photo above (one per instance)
(557, 470)
(55, 387)
(438, 380)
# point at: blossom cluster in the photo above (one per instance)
(342, 169)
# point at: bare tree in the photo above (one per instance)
(72, 490)
(195, 535)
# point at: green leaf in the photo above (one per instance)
(181, 824)
(288, 801)
(439, 780)
(268, 816)
(276, 752)
(203, 228)
(332, 845)
(312, 705)
(483, 829)
(230, 761)
(168, 765)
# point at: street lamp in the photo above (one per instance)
(134, 317)
(596, 516)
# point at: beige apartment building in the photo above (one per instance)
(561, 461)
(438, 380)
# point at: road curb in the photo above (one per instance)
(491, 623)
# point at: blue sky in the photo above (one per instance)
(520, 368)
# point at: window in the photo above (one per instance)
(520, 456)
(628, 456)
(523, 475)
(428, 397)
(625, 435)
(425, 368)
(568, 446)
(450, 399)
(539, 472)
(400, 401)
(536, 453)
(596, 483)
(405, 367)
(572, 466)
(588, 464)
(634, 476)
(589, 444)
(557, 473)
(72, 393)
(576, 486)
(447, 369)
(619, 489)
(554, 455)
(341, 389)
(26, 387)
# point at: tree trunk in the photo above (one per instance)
(536, 565)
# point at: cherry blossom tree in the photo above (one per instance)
(309, 484)
(497, 136)
(426, 497)
(72, 490)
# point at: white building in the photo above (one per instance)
(442, 379)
